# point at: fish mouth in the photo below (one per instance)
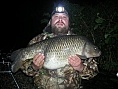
(98, 54)
(95, 54)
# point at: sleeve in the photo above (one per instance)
(40, 37)
(27, 68)
(90, 69)
(37, 39)
(27, 65)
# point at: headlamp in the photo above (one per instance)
(59, 9)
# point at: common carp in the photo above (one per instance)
(56, 51)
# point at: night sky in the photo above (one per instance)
(21, 21)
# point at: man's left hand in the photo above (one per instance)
(76, 62)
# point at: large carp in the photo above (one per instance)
(56, 51)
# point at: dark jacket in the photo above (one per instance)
(63, 78)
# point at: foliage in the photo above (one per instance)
(99, 23)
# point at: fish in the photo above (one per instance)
(56, 51)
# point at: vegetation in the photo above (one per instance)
(99, 23)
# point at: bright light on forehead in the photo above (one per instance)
(60, 9)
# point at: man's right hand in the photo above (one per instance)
(38, 61)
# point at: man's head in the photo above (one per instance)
(60, 21)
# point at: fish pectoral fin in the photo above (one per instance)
(81, 56)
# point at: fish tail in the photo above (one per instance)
(16, 60)
(15, 54)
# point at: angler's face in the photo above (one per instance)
(60, 21)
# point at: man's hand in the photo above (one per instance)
(76, 62)
(38, 61)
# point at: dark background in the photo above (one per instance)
(21, 20)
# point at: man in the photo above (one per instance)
(68, 77)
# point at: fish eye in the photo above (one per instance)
(95, 48)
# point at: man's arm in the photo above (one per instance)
(32, 66)
(28, 66)
(90, 69)
(36, 39)
(87, 69)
